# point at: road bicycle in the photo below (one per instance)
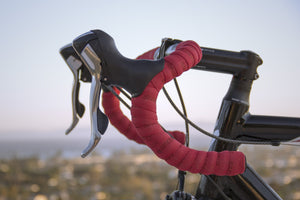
(93, 57)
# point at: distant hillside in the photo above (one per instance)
(45, 144)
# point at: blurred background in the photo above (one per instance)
(36, 83)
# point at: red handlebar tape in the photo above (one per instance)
(111, 106)
(145, 128)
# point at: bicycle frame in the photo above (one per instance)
(235, 122)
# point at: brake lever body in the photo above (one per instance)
(117, 70)
(107, 66)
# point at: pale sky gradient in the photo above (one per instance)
(36, 83)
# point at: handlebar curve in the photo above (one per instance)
(144, 79)
(186, 55)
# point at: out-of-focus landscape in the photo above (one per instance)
(37, 161)
(54, 170)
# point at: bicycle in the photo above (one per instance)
(224, 169)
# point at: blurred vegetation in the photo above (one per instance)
(133, 175)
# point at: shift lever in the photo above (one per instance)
(74, 63)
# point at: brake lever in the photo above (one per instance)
(107, 66)
(74, 63)
(99, 120)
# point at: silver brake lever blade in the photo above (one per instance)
(77, 108)
(99, 120)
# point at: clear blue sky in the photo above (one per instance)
(36, 83)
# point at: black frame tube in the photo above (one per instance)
(268, 128)
(235, 122)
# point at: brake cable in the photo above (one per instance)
(206, 132)
(187, 138)
(124, 93)
(181, 174)
(165, 42)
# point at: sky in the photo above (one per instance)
(36, 82)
